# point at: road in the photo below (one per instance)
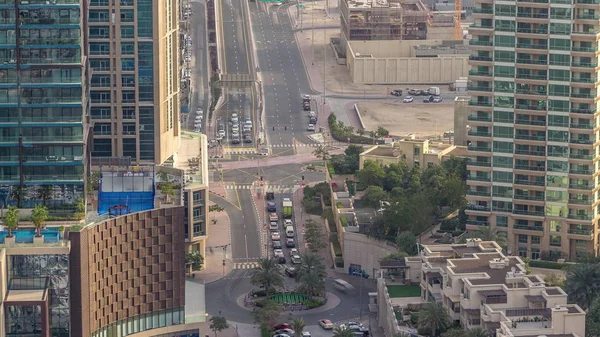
(284, 78)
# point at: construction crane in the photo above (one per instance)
(458, 34)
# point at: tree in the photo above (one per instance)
(313, 234)
(298, 325)
(322, 153)
(39, 215)
(554, 280)
(218, 324)
(422, 213)
(592, 321)
(374, 195)
(478, 332)
(456, 166)
(372, 174)
(11, 219)
(407, 242)
(488, 233)
(267, 315)
(195, 260)
(434, 317)
(454, 192)
(342, 332)
(46, 192)
(381, 132)
(167, 190)
(583, 284)
(455, 332)
(312, 263)
(267, 275)
(311, 284)
(215, 209)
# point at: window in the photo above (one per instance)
(504, 162)
(504, 56)
(99, 48)
(100, 96)
(536, 239)
(146, 133)
(560, 59)
(99, 32)
(99, 80)
(129, 148)
(127, 32)
(127, 15)
(127, 48)
(555, 240)
(100, 113)
(522, 251)
(559, 75)
(127, 64)
(504, 71)
(128, 81)
(129, 128)
(128, 113)
(504, 41)
(144, 18)
(126, 3)
(100, 64)
(557, 166)
(505, 147)
(560, 44)
(417, 151)
(503, 131)
(99, 3)
(102, 129)
(555, 226)
(535, 253)
(502, 177)
(560, 29)
(99, 15)
(501, 221)
(558, 136)
(128, 96)
(559, 90)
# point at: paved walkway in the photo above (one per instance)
(218, 248)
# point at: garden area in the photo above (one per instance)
(397, 291)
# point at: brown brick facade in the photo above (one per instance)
(125, 267)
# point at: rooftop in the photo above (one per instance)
(480, 264)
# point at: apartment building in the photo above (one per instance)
(135, 81)
(481, 287)
(532, 111)
(42, 104)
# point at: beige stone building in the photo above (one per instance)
(134, 57)
(482, 288)
(420, 152)
(534, 129)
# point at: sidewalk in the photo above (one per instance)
(219, 236)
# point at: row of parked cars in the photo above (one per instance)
(312, 116)
(285, 329)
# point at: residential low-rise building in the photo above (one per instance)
(480, 287)
(416, 152)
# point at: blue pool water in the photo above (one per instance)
(130, 202)
(51, 235)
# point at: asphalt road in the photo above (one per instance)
(284, 78)
(285, 175)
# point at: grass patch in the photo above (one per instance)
(339, 262)
(546, 264)
(330, 168)
(397, 291)
(337, 249)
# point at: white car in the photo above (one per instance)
(273, 226)
(408, 99)
(312, 114)
(278, 252)
(197, 129)
(275, 236)
(198, 117)
(293, 252)
(311, 127)
(287, 222)
(296, 259)
(235, 127)
(199, 111)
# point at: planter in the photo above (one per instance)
(9, 240)
(38, 239)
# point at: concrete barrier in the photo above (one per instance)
(362, 124)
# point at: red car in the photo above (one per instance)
(282, 326)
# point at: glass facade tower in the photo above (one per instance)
(42, 104)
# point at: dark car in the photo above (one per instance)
(290, 243)
(306, 107)
(313, 120)
(396, 93)
(271, 207)
(235, 140)
(428, 99)
(291, 272)
(281, 260)
(247, 139)
(276, 244)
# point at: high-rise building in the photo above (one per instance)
(532, 151)
(42, 104)
(135, 81)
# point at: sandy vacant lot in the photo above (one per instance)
(421, 119)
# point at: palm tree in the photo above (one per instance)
(583, 284)
(342, 332)
(313, 263)
(312, 284)
(478, 332)
(11, 219)
(488, 233)
(434, 318)
(298, 325)
(39, 215)
(322, 153)
(267, 275)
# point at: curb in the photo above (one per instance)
(294, 22)
(362, 124)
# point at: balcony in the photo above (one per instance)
(583, 49)
(527, 212)
(529, 182)
(583, 80)
(529, 228)
(530, 137)
(479, 118)
(479, 178)
(532, 46)
(532, 31)
(479, 193)
(50, 41)
(476, 103)
(529, 197)
(52, 159)
(479, 208)
(483, 11)
(505, 28)
(480, 73)
(479, 163)
(57, 177)
(530, 107)
(479, 133)
(530, 122)
(581, 187)
(581, 171)
(586, 232)
(530, 61)
(476, 148)
(534, 1)
(53, 139)
(584, 64)
(531, 92)
(581, 126)
(478, 88)
(586, 202)
(480, 58)
(532, 77)
(580, 216)
(478, 222)
(583, 111)
(480, 43)
(530, 153)
(588, 2)
(585, 95)
(532, 15)
(581, 156)
(199, 202)
(581, 141)
(530, 168)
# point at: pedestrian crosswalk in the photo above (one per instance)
(245, 265)
(239, 151)
(274, 188)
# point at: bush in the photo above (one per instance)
(260, 303)
(449, 225)
(351, 187)
(75, 228)
(342, 135)
(414, 318)
(344, 221)
(259, 293)
(546, 264)
(337, 249)
(313, 303)
(339, 262)
(330, 168)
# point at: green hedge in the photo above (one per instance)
(339, 262)
(344, 221)
(342, 135)
(546, 264)
(337, 249)
(330, 168)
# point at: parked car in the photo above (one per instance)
(235, 127)
(275, 236)
(312, 114)
(235, 139)
(294, 251)
(287, 222)
(437, 99)
(306, 98)
(271, 207)
(313, 120)
(412, 92)
(311, 127)
(408, 99)
(274, 226)
(290, 271)
(428, 99)
(287, 331)
(396, 93)
(277, 245)
(326, 324)
(296, 259)
(273, 216)
(278, 253)
(419, 92)
(247, 139)
(282, 326)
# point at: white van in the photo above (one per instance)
(342, 285)
(289, 231)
